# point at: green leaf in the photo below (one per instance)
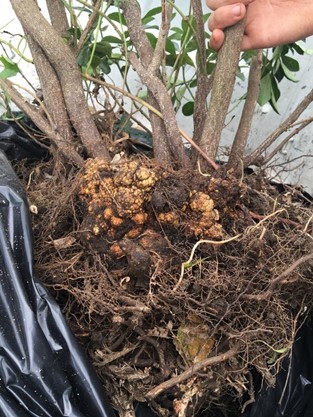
(112, 39)
(150, 27)
(291, 63)
(176, 34)
(187, 22)
(152, 39)
(75, 32)
(117, 17)
(306, 51)
(278, 52)
(276, 65)
(290, 75)
(170, 47)
(83, 56)
(151, 13)
(104, 28)
(211, 55)
(275, 89)
(170, 60)
(188, 108)
(274, 105)
(265, 90)
(298, 49)
(275, 96)
(124, 122)
(247, 56)
(279, 74)
(192, 46)
(210, 67)
(146, 22)
(10, 68)
(240, 75)
(206, 17)
(186, 60)
(187, 25)
(143, 94)
(103, 48)
(180, 93)
(104, 65)
(95, 61)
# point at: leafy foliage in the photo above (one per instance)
(10, 69)
(276, 68)
(181, 49)
(105, 47)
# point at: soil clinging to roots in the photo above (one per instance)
(179, 285)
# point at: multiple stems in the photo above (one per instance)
(65, 102)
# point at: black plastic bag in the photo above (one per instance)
(43, 371)
(292, 395)
(17, 144)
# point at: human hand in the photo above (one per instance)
(269, 23)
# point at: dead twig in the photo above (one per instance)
(194, 369)
(255, 155)
(286, 140)
(282, 220)
(278, 280)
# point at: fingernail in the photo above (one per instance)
(237, 10)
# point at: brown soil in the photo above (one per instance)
(178, 285)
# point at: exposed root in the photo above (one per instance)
(177, 284)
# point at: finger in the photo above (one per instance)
(216, 4)
(226, 16)
(217, 39)
(248, 44)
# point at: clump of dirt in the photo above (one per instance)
(179, 285)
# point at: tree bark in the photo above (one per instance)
(132, 13)
(63, 61)
(224, 80)
(160, 94)
(203, 84)
(242, 134)
(58, 16)
(53, 99)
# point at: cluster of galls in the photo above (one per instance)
(197, 217)
(119, 202)
(116, 197)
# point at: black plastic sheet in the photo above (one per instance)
(292, 395)
(43, 370)
(17, 144)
